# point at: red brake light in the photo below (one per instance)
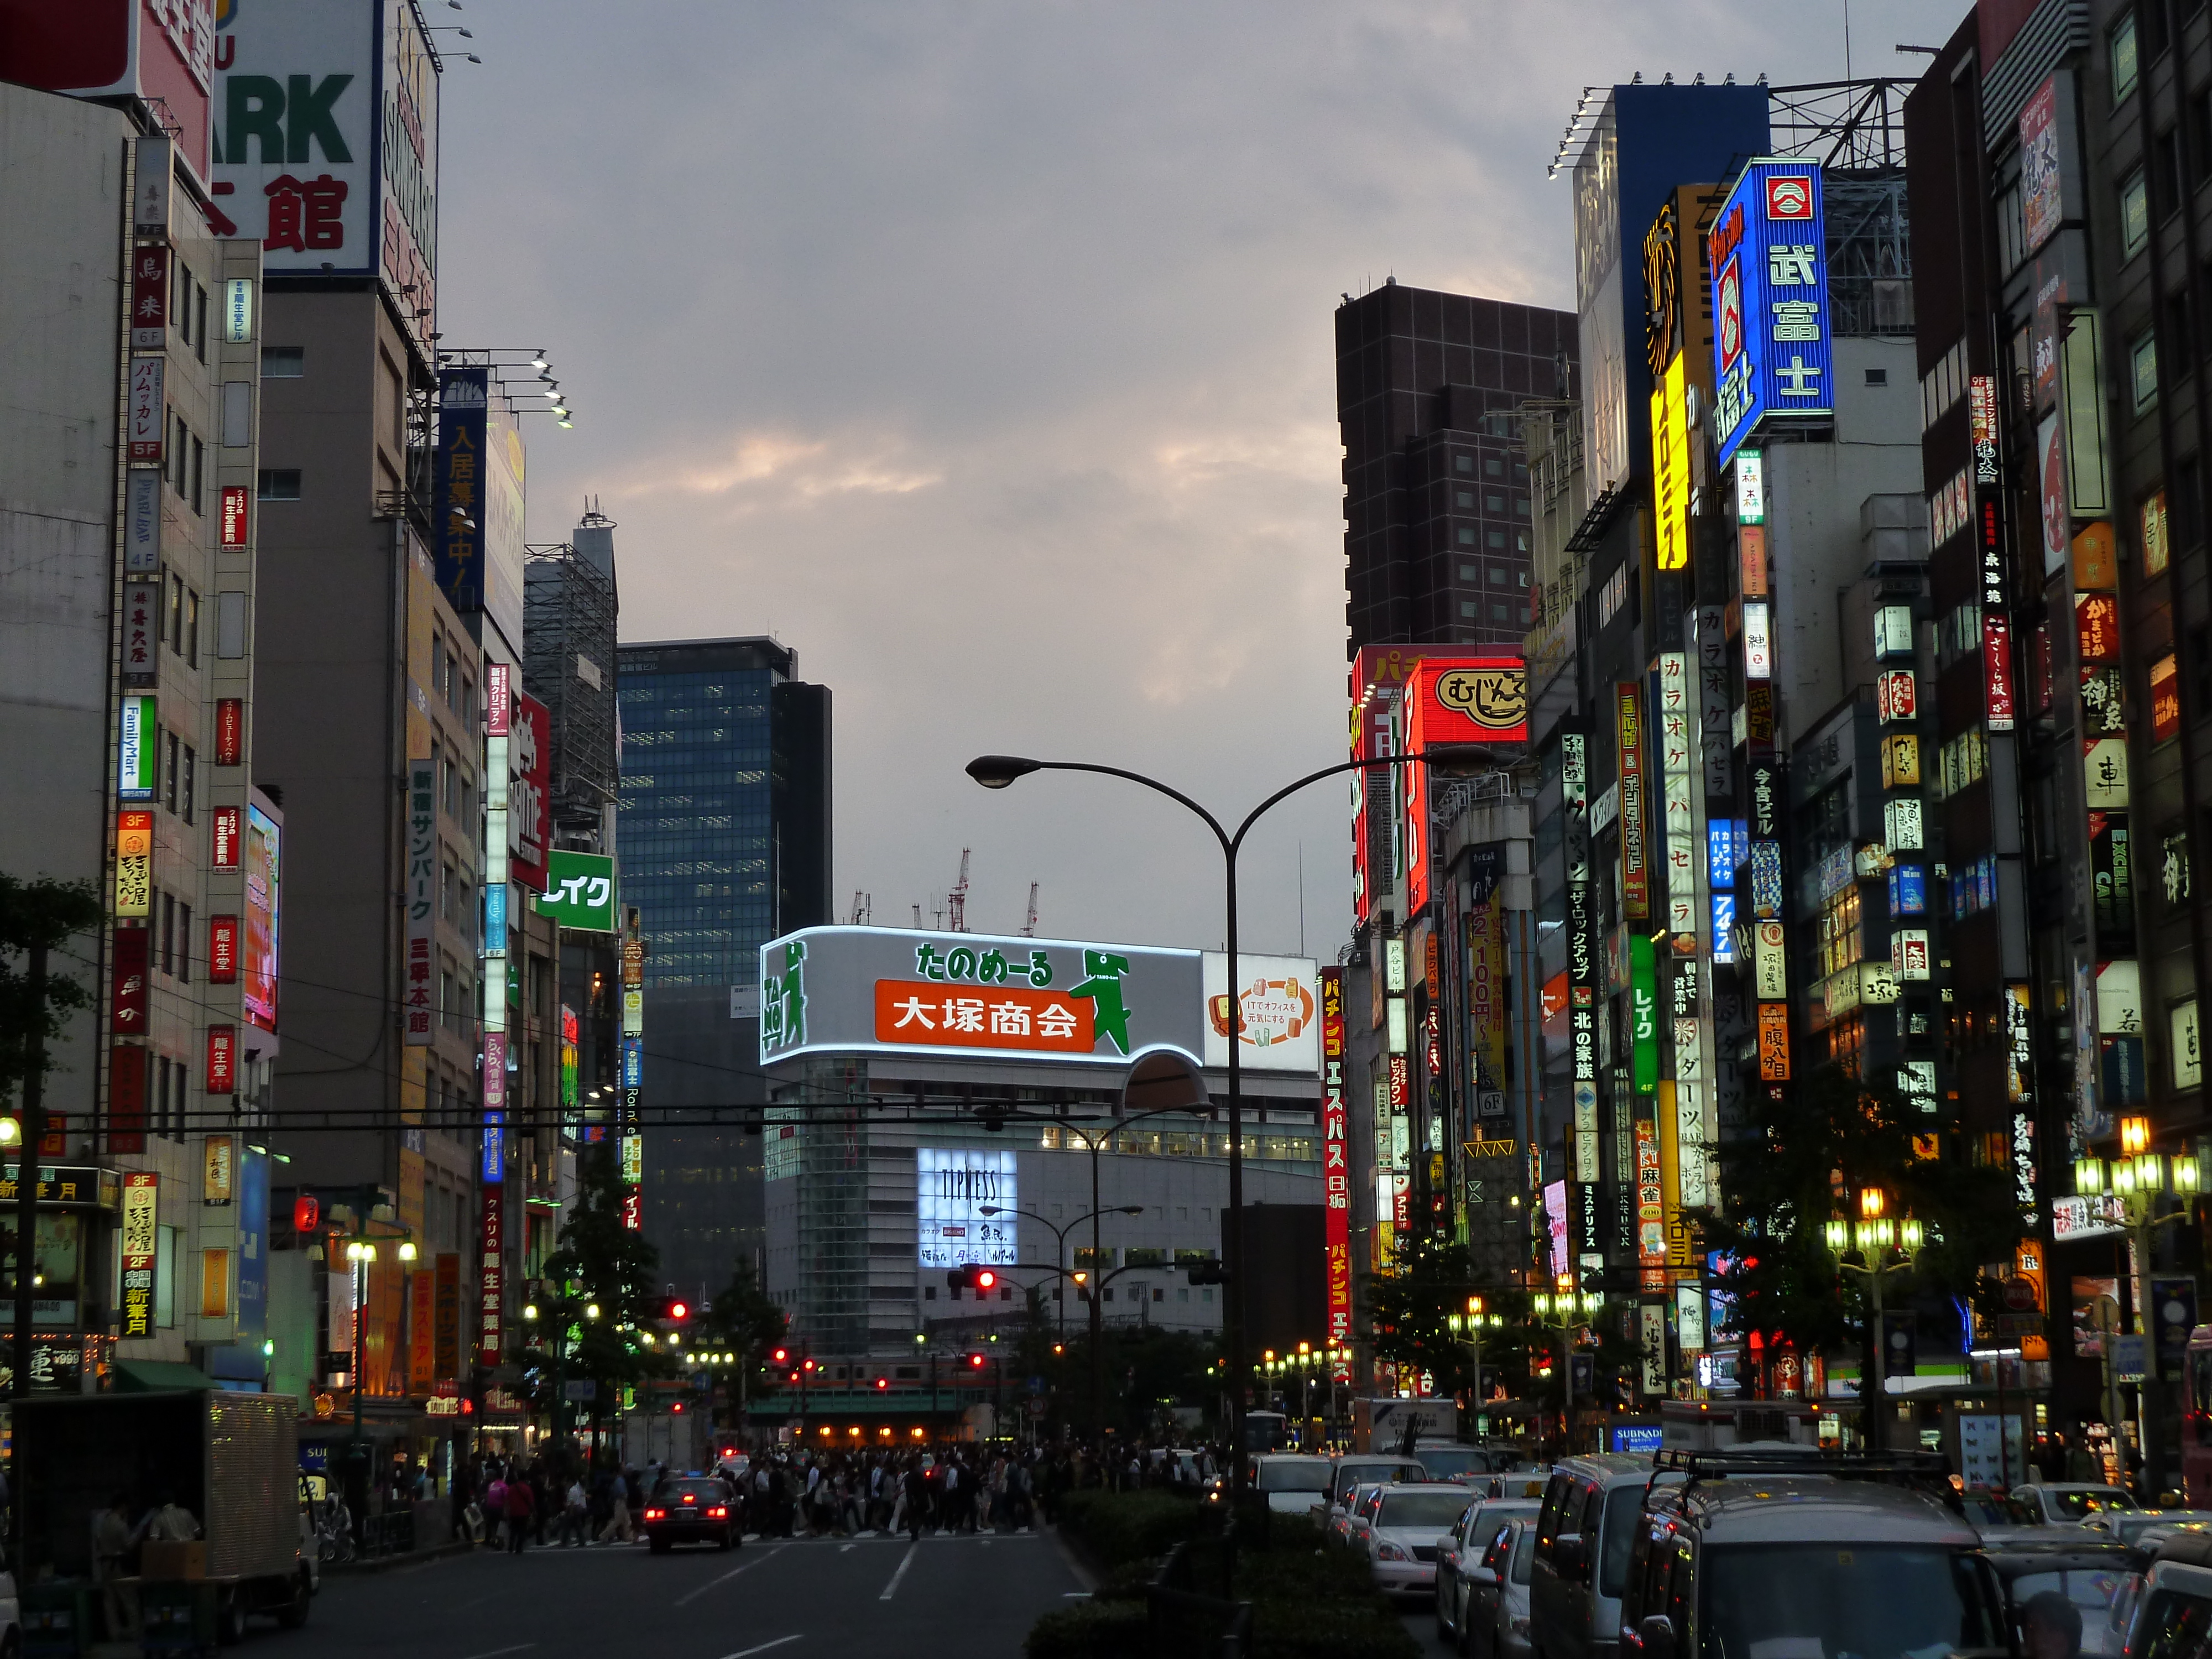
(717, 1512)
(656, 1515)
(690, 1497)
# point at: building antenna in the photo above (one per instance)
(1847, 40)
(1302, 898)
(1029, 923)
(956, 902)
(917, 917)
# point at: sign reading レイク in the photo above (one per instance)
(580, 890)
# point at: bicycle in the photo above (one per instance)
(333, 1534)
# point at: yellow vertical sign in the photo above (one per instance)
(1670, 468)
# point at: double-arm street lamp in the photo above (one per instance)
(2138, 1178)
(1565, 1310)
(1059, 1235)
(997, 772)
(1884, 1245)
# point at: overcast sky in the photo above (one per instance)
(983, 353)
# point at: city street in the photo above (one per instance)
(965, 1596)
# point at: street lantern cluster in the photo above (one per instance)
(2138, 1172)
(1566, 1307)
(1874, 1232)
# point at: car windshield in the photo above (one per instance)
(1434, 1509)
(1524, 1553)
(1622, 1504)
(1294, 1474)
(1349, 1475)
(1443, 1463)
(2092, 1590)
(2089, 1500)
(691, 1491)
(1839, 1601)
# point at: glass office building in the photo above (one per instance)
(724, 831)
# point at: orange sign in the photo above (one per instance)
(1774, 1042)
(922, 1014)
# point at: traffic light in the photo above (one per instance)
(972, 1277)
(883, 1383)
(1208, 1273)
(782, 1356)
(975, 1362)
(673, 1310)
(807, 1364)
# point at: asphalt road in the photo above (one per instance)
(965, 1596)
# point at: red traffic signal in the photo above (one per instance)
(972, 1277)
(806, 1365)
(882, 1383)
(975, 1362)
(674, 1310)
(782, 1356)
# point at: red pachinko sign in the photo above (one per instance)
(222, 1059)
(493, 1276)
(1635, 871)
(237, 525)
(229, 731)
(222, 949)
(127, 1008)
(149, 296)
(1335, 1166)
(223, 848)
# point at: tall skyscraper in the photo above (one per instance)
(1435, 486)
(724, 826)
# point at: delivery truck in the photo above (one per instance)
(232, 1459)
(1380, 1425)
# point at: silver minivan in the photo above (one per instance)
(1583, 1535)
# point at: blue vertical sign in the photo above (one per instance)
(252, 1248)
(494, 1148)
(456, 502)
(1769, 251)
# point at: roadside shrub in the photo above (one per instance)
(1115, 1528)
(1090, 1629)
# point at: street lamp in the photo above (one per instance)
(1059, 1233)
(2137, 1178)
(997, 772)
(1468, 1327)
(1875, 1236)
(1565, 1310)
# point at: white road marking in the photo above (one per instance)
(692, 1596)
(746, 1653)
(891, 1589)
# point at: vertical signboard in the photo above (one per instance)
(1650, 1208)
(445, 1315)
(148, 420)
(457, 473)
(137, 750)
(1768, 256)
(264, 915)
(127, 1011)
(134, 861)
(1486, 1006)
(492, 1278)
(530, 797)
(1643, 1014)
(1336, 1165)
(222, 1060)
(421, 1331)
(418, 995)
(142, 633)
(139, 1238)
(1635, 871)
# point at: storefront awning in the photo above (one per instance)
(145, 1376)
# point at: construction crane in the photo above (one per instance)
(956, 902)
(1029, 924)
(863, 905)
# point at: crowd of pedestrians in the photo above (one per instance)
(556, 1501)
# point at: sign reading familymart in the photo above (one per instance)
(846, 990)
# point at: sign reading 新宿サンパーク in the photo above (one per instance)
(847, 989)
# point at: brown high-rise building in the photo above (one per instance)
(1436, 484)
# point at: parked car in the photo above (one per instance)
(1292, 1482)
(2098, 1580)
(1496, 1623)
(1449, 1459)
(1404, 1530)
(1758, 1557)
(1360, 1513)
(1478, 1529)
(2057, 1504)
(1583, 1533)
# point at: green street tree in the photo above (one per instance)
(48, 914)
(597, 1263)
(1810, 1154)
(1410, 1312)
(743, 1321)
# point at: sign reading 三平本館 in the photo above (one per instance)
(882, 990)
(953, 1186)
(1768, 253)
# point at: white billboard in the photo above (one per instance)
(953, 1185)
(327, 141)
(1278, 1018)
